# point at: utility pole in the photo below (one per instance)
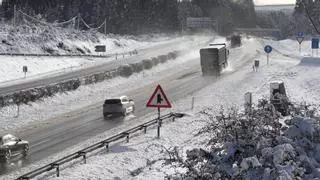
(105, 26)
(217, 25)
(14, 15)
(78, 25)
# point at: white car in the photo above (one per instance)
(118, 106)
(12, 146)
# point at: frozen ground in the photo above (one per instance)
(300, 80)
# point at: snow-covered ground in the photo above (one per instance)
(32, 39)
(11, 67)
(143, 155)
(291, 47)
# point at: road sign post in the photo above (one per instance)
(25, 70)
(300, 38)
(248, 102)
(268, 50)
(159, 100)
(315, 44)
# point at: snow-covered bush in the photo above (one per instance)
(258, 145)
(155, 61)
(125, 70)
(137, 67)
(163, 58)
(147, 63)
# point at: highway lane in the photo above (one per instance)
(58, 136)
(148, 52)
(80, 125)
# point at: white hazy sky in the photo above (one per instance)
(263, 2)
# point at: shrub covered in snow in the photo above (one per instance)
(163, 58)
(147, 63)
(125, 70)
(259, 145)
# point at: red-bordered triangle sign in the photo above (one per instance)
(159, 99)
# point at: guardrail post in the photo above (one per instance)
(127, 137)
(83, 154)
(159, 126)
(57, 169)
(145, 129)
(192, 103)
(107, 146)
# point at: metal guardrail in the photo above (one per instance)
(105, 143)
(54, 55)
(72, 55)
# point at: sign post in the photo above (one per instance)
(159, 100)
(300, 38)
(268, 50)
(315, 44)
(248, 102)
(25, 70)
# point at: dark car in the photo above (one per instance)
(118, 106)
(12, 146)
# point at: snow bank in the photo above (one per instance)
(312, 61)
(258, 152)
(32, 39)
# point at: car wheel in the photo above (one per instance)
(105, 115)
(123, 113)
(25, 150)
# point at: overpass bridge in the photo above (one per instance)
(259, 31)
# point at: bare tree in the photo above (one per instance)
(313, 21)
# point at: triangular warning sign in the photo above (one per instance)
(159, 99)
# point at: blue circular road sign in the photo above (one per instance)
(268, 49)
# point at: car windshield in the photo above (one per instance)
(8, 138)
(112, 101)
